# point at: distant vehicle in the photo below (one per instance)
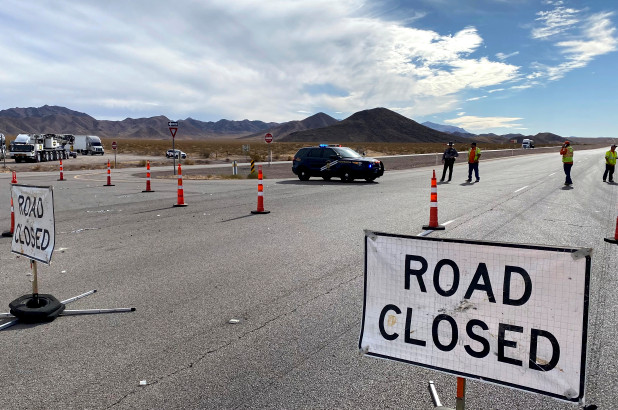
(88, 144)
(329, 161)
(527, 143)
(171, 153)
(40, 147)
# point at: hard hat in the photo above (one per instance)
(567, 142)
(450, 143)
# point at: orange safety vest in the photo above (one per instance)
(473, 155)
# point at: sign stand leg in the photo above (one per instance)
(65, 312)
(460, 403)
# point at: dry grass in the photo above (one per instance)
(199, 151)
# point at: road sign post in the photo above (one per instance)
(114, 146)
(269, 138)
(173, 126)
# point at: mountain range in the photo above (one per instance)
(373, 125)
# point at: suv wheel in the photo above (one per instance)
(346, 176)
(326, 177)
(303, 175)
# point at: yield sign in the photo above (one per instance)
(173, 131)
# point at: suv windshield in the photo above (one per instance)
(347, 152)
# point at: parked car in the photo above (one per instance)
(329, 161)
(175, 153)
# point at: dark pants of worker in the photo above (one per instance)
(609, 169)
(473, 167)
(567, 172)
(448, 163)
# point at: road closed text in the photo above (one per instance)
(34, 234)
(414, 280)
(505, 313)
(34, 237)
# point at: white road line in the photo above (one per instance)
(524, 187)
(553, 173)
(448, 222)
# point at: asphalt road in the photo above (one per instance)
(293, 279)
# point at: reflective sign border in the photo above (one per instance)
(582, 380)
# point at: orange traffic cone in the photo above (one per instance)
(10, 233)
(181, 192)
(61, 173)
(615, 238)
(14, 180)
(433, 206)
(109, 175)
(260, 198)
(148, 177)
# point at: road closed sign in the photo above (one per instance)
(514, 315)
(34, 235)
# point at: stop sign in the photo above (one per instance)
(268, 138)
(114, 145)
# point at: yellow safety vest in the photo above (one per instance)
(568, 157)
(477, 154)
(610, 157)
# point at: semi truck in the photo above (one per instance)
(40, 147)
(88, 144)
(527, 143)
(2, 146)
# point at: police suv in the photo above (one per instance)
(329, 161)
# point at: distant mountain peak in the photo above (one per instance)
(445, 128)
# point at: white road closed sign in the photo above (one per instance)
(34, 234)
(509, 314)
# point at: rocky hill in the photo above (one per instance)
(319, 120)
(60, 120)
(375, 125)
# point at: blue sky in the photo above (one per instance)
(502, 66)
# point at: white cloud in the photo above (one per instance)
(596, 38)
(555, 21)
(470, 122)
(476, 98)
(495, 90)
(239, 59)
(502, 56)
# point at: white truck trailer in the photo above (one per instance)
(88, 144)
(40, 147)
(2, 146)
(527, 143)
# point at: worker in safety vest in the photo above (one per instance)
(474, 154)
(567, 161)
(610, 163)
